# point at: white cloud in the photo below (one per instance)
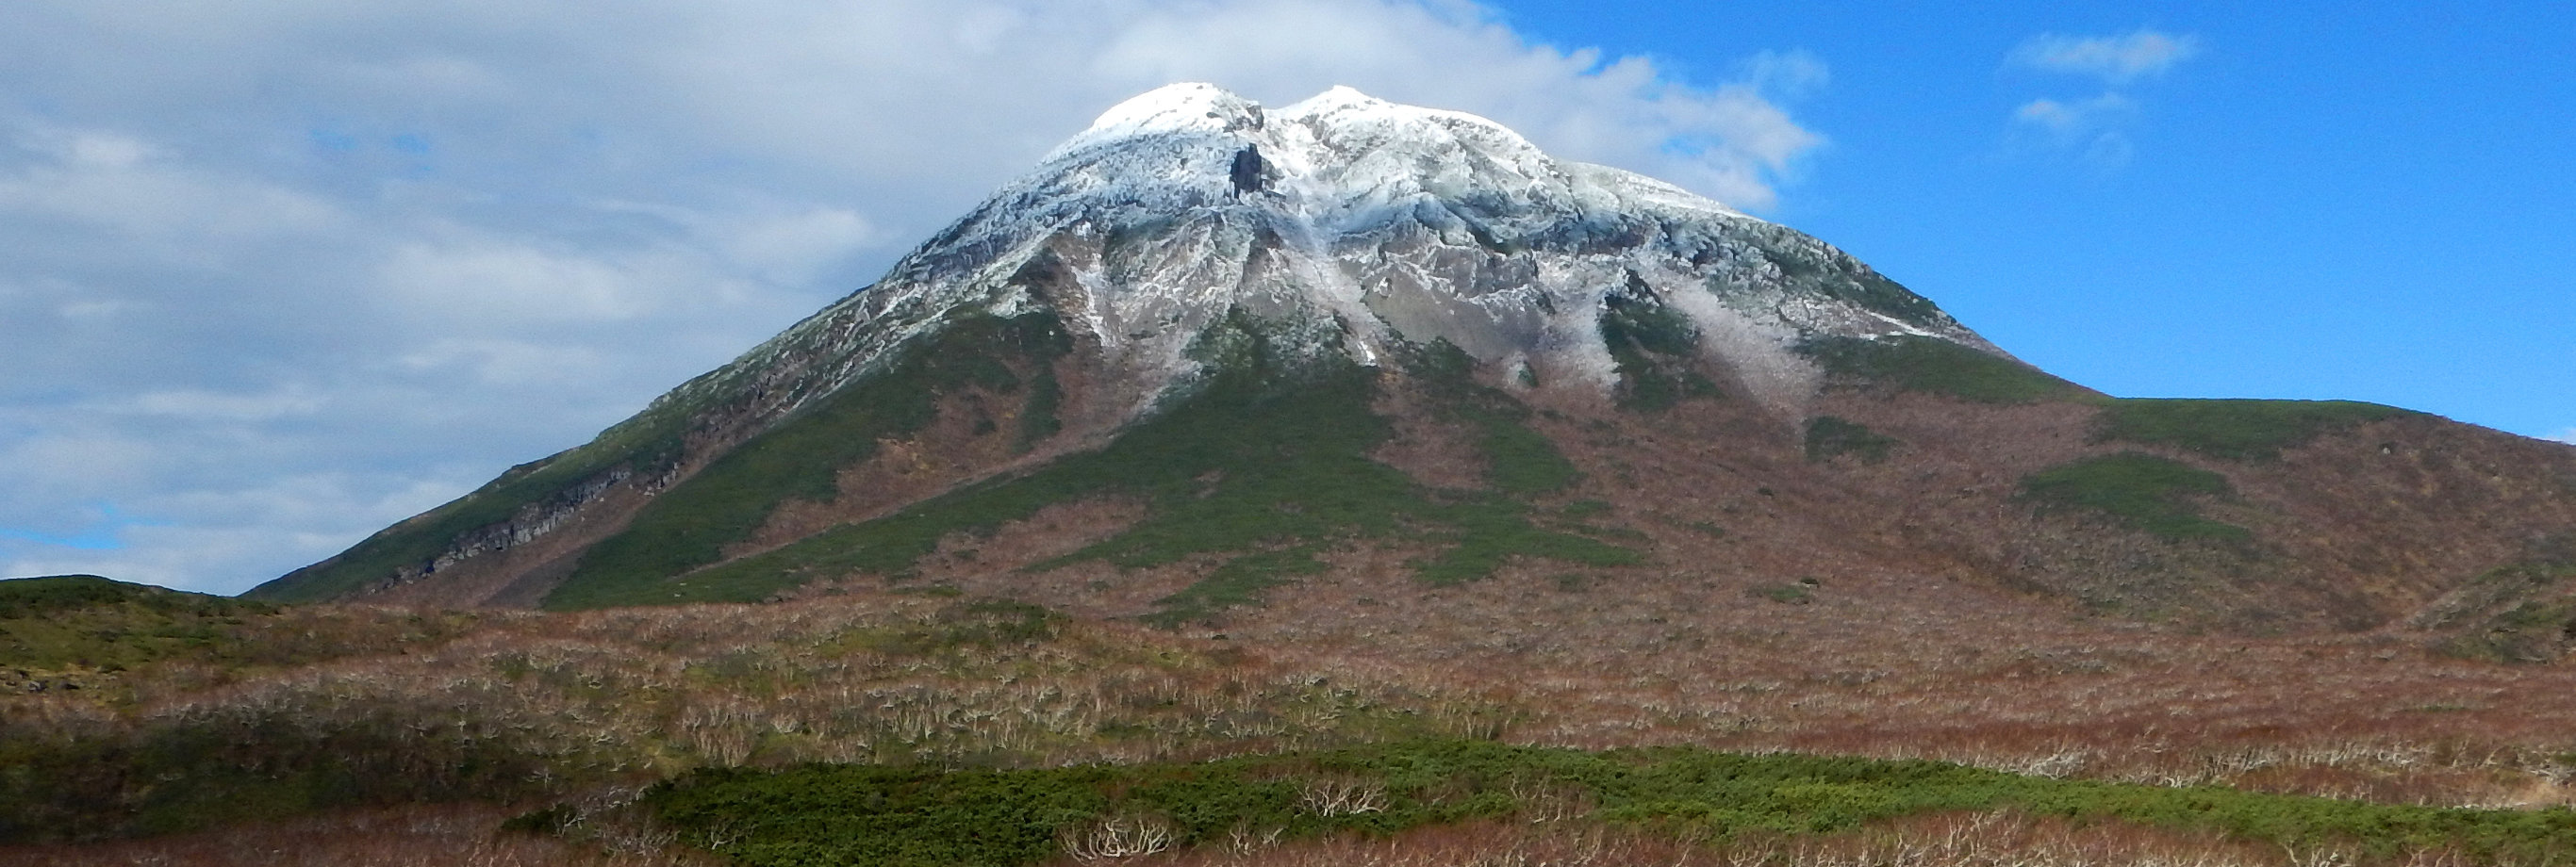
(275, 274)
(794, 246)
(2096, 129)
(2566, 436)
(2078, 117)
(123, 184)
(1795, 73)
(2114, 59)
(511, 283)
(519, 363)
(198, 405)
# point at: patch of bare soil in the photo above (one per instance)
(1433, 451)
(2403, 509)
(975, 433)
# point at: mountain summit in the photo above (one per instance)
(1213, 362)
(1369, 224)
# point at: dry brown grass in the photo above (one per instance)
(626, 696)
(1945, 840)
(1894, 665)
(623, 697)
(1879, 663)
(411, 836)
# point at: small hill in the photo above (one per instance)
(62, 631)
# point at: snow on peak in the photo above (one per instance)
(1336, 163)
(1201, 109)
(1337, 96)
(1343, 106)
(1185, 107)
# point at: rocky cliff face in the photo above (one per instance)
(1206, 347)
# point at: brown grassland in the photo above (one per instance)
(597, 703)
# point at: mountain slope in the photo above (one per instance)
(1208, 354)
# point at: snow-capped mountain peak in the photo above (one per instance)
(1351, 222)
(1335, 153)
(1189, 233)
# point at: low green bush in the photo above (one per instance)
(1785, 594)
(243, 767)
(875, 815)
(2145, 491)
(85, 621)
(2243, 430)
(1935, 366)
(1238, 582)
(1653, 347)
(1830, 437)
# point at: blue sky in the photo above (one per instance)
(275, 275)
(2373, 201)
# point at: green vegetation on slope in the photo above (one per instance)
(1935, 366)
(1237, 583)
(2230, 429)
(899, 817)
(2148, 492)
(85, 621)
(56, 595)
(689, 525)
(1829, 437)
(2241, 430)
(1653, 346)
(1518, 460)
(719, 510)
(1269, 460)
